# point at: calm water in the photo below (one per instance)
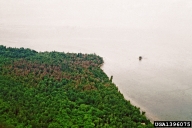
(120, 32)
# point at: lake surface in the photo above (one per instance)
(120, 32)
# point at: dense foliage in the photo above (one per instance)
(61, 90)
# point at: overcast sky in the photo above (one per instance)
(144, 14)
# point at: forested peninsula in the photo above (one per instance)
(61, 90)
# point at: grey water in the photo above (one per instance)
(120, 31)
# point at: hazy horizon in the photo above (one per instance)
(148, 14)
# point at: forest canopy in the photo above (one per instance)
(61, 90)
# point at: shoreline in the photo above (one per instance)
(149, 115)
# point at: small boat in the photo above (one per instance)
(140, 57)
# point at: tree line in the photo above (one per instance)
(61, 90)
